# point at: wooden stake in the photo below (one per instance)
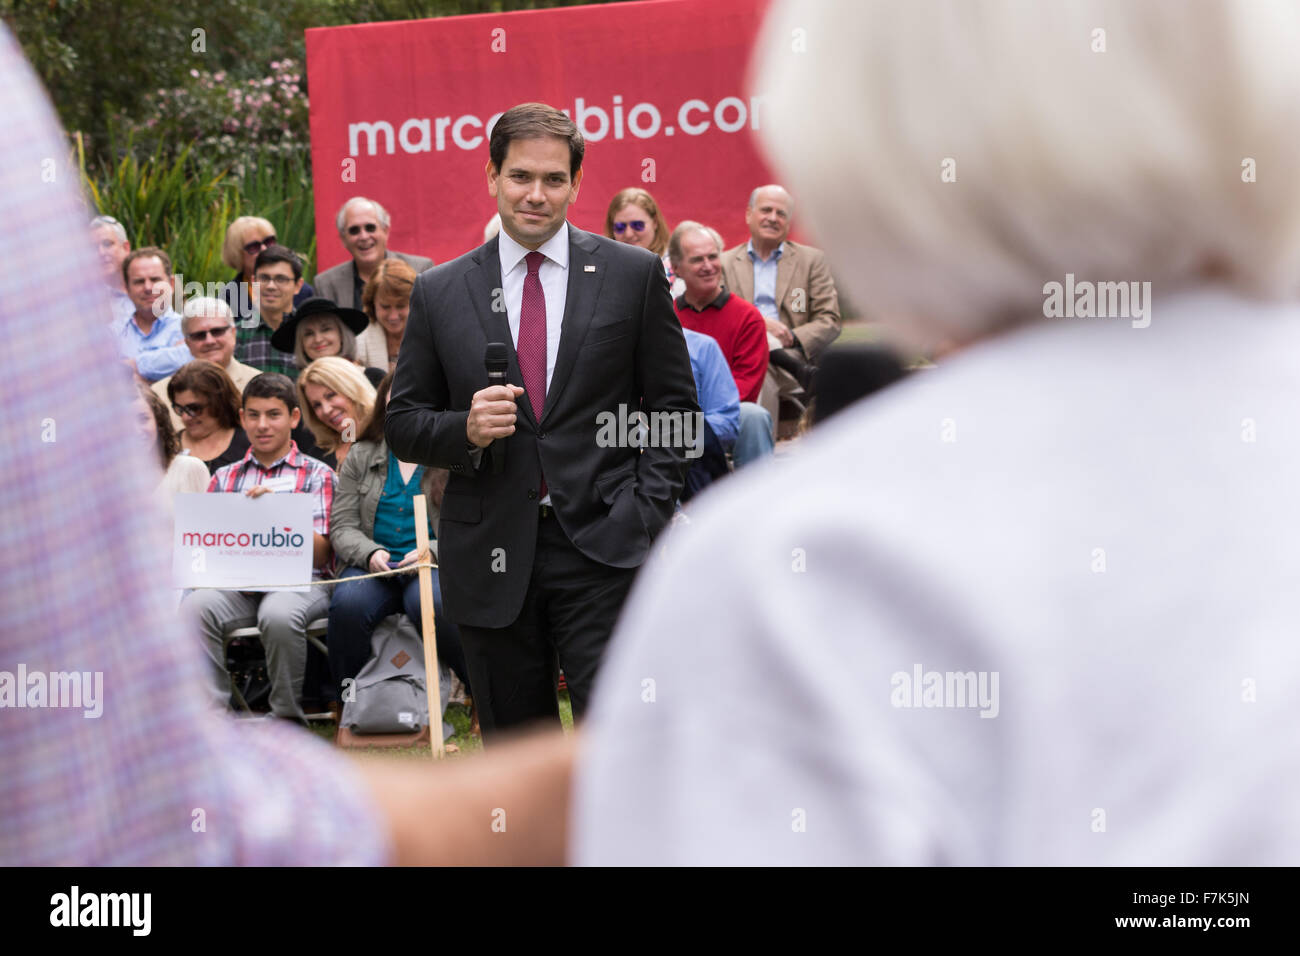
(428, 629)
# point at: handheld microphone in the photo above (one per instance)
(496, 359)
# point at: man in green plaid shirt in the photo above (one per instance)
(277, 278)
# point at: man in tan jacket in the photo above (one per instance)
(792, 286)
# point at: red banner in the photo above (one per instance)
(400, 113)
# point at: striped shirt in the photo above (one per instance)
(310, 477)
(150, 774)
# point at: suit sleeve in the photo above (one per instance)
(823, 322)
(419, 426)
(663, 370)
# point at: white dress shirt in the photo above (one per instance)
(554, 276)
(1103, 515)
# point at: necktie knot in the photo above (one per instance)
(534, 260)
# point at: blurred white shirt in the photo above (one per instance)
(1105, 516)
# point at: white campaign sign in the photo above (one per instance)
(241, 543)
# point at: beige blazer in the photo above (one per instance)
(372, 347)
(335, 283)
(805, 292)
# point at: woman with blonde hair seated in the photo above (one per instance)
(246, 237)
(633, 217)
(387, 301)
(336, 400)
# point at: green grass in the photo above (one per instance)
(459, 718)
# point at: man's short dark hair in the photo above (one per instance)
(535, 121)
(277, 253)
(272, 385)
(145, 252)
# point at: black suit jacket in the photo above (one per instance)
(620, 345)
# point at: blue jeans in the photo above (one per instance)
(755, 438)
(357, 608)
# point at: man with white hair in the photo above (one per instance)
(363, 230)
(792, 286)
(209, 329)
(112, 248)
(1036, 607)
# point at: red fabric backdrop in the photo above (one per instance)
(402, 107)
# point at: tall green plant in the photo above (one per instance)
(184, 203)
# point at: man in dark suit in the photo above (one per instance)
(547, 514)
(363, 230)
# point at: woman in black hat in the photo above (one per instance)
(319, 328)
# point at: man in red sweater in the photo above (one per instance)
(705, 306)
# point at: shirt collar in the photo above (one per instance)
(753, 256)
(717, 303)
(289, 458)
(555, 248)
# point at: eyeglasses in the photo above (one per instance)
(202, 334)
(638, 225)
(257, 245)
(193, 410)
(274, 280)
(368, 227)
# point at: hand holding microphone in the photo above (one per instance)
(492, 410)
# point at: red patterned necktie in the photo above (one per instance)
(531, 347)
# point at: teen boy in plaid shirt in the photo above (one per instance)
(273, 463)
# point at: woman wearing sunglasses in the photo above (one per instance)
(207, 403)
(246, 237)
(634, 217)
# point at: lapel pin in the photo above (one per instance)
(588, 268)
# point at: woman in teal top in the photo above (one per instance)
(372, 528)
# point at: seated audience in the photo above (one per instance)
(277, 284)
(246, 238)
(737, 326)
(206, 400)
(337, 401)
(634, 217)
(792, 286)
(209, 329)
(268, 416)
(320, 329)
(363, 230)
(720, 404)
(373, 524)
(387, 301)
(181, 473)
(112, 247)
(153, 323)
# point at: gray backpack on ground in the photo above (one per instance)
(388, 695)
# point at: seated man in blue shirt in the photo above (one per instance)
(153, 325)
(720, 402)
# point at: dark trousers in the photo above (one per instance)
(357, 608)
(568, 615)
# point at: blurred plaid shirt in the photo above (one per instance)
(158, 778)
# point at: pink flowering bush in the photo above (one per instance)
(228, 120)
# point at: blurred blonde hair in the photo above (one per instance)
(345, 378)
(1125, 164)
